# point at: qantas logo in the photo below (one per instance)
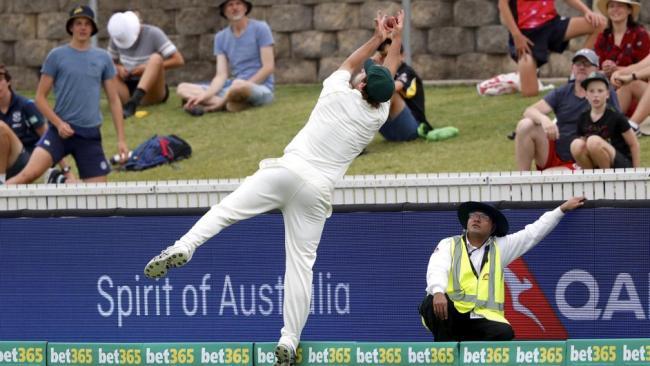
(527, 308)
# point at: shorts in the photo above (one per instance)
(85, 146)
(547, 38)
(260, 95)
(19, 164)
(132, 85)
(621, 161)
(403, 127)
(553, 159)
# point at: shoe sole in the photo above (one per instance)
(283, 356)
(158, 266)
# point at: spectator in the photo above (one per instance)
(22, 127)
(348, 114)
(632, 84)
(142, 53)
(624, 42)
(465, 282)
(76, 71)
(538, 139)
(536, 30)
(245, 47)
(407, 112)
(605, 139)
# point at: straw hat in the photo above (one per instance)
(636, 7)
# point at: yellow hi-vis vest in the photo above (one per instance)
(484, 295)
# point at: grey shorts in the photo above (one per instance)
(260, 95)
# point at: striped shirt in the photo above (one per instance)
(150, 40)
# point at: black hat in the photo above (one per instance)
(249, 6)
(81, 11)
(593, 77)
(499, 220)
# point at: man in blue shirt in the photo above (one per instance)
(544, 142)
(246, 48)
(76, 71)
(21, 127)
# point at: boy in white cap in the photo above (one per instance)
(142, 53)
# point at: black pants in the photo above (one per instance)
(459, 327)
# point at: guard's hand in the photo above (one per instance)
(440, 305)
(573, 203)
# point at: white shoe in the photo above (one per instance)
(173, 256)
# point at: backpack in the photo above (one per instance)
(156, 151)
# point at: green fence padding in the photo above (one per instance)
(512, 353)
(149, 354)
(23, 353)
(407, 353)
(310, 353)
(608, 352)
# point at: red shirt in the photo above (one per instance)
(634, 46)
(531, 14)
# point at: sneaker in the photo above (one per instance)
(284, 356)
(173, 256)
(54, 176)
(195, 111)
(423, 129)
(128, 109)
(443, 133)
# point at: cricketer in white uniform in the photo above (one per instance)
(300, 183)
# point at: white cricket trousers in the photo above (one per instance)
(304, 210)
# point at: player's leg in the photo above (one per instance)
(152, 81)
(581, 154)
(265, 190)
(10, 149)
(304, 218)
(600, 152)
(243, 94)
(188, 91)
(38, 163)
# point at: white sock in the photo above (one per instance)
(3, 176)
(633, 124)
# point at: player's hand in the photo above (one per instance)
(623, 79)
(194, 101)
(399, 24)
(138, 70)
(380, 25)
(440, 306)
(609, 67)
(573, 203)
(65, 130)
(522, 45)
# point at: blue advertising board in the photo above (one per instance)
(80, 278)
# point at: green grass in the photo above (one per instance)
(229, 145)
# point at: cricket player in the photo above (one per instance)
(347, 116)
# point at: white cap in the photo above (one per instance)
(124, 29)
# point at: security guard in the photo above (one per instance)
(465, 284)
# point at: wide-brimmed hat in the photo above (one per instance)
(379, 82)
(593, 77)
(124, 29)
(81, 11)
(501, 226)
(249, 6)
(636, 7)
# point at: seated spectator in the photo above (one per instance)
(605, 139)
(632, 83)
(536, 29)
(245, 47)
(624, 42)
(546, 143)
(407, 112)
(21, 127)
(141, 53)
(76, 71)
